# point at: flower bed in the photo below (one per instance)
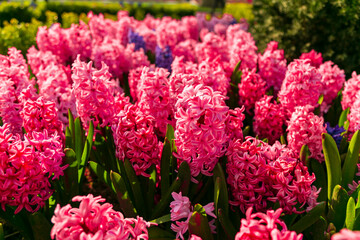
(195, 133)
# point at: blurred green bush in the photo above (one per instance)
(331, 27)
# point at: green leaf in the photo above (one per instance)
(226, 224)
(321, 99)
(163, 219)
(86, 152)
(221, 199)
(343, 117)
(332, 161)
(183, 175)
(165, 167)
(72, 127)
(304, 154)
(246, 131)
(337, 207)
(157, 233)
(68, 138)
(40, 225)
(170, 135)
(151, 187)
(101, 173)
(321, 179)
(79, 144)
(71, 173)
(125, 202)
(351, 160)
(282, 139)
(310, 218)
(350, 214)
(136, 188)
(198, 223)
(318, 229)
(2, 237)
(20, 221)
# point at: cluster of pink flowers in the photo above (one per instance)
(92, 220)
(305, 128)
(265, 226)
(260, 174)
(181, 209)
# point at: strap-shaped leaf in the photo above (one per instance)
(151, 188)
(163, 219)
(337, 207)
(310, 218)
(221, 198)
(20, 221)
(101, 173)
(136, 188)
(2, 237)
(352, 158)
(71, 127)
(343, 117)
(226, 224)
(71, 173)
(350, 214)
(86, 152)
(321, 178)
(79, 141)
(164, 203)
(157, 233)
(304, 154)
(68, 138)
(198, 223)
(165, 167)
(125, 202)
(332, 161)
(40, 225)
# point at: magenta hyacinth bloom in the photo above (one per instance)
(315, 58)
(351, 88)
(26, 167)
(200, 133)
(251, 89)
(302, 86)
(354, 115)
(261, 226)
(93, 93)
(135, 139)
(272, 66)
(304, 127)
(95, 221)
(269, 119)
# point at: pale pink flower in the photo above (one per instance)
(37, 58)
(346, 234)
(200, 133)
(185, 49)
(354, 115)
(79, 39)
(180, 207)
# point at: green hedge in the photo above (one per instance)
(328, 26)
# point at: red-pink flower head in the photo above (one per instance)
(243, 49)
(247, 174)
(251, 89)
(93, 220)
(37, 58)
(315, 58)
(352, 86)
(354, 115)
(333, 79)
(39, 115)
(135, 139)
(232, 31)
(269, 119)
(190, 27)
(200, 133)
(235, 123)
(179, 65)
(261, 226)
(26, 167)
(168, 34)
(54, 39)
(101, 27)
(185, 49)
(214, 76)
(154, 99)
(305, 128)
(79, 39)
(54, 85)
(211, 47)
(93, 93)
(302, 86)
(272, 66)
